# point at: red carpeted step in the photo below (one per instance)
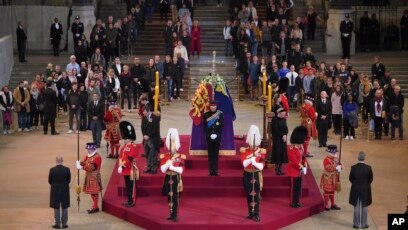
(211, 213)
(214, 191)
(211, 202)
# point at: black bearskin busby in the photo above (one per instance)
(283, 85)
(127, 131)
(298, 135)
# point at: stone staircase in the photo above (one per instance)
(114, 8)
(212, 21)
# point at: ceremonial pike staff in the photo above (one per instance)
(78, 189)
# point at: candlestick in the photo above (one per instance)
(156, 98)
(157, 78)
(264, 84)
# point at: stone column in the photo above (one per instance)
(338, 8)
(86, 11)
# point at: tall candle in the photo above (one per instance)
(157, 78)
(269, 98)
(156, 98)
(264, 84)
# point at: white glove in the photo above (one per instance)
(304, 170)
(213, 136)
(78, 165)
(171, 167)
(253, 160)
(120, 169)
(338, 168)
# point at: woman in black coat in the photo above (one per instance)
(279, 131)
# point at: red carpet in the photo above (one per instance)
(211, 202)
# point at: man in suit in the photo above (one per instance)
(50, 108)
(59, 179)
(96, 110)
(21, 41)
(323, 109)
(55, 36)
(117, 67)
(282, 46)
(151, 137)
(377, 71)
(213, 124)
(361, 177)
(346, 30)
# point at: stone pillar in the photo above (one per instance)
(86, 11)
(338, 8)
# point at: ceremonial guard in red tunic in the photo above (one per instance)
(330, 177)
(308, 119)
(112, 118)
(253, 160)
(172, 164)
(92, 183)
(127, 166)
(297, 164)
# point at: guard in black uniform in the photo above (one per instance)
(213, 124)
(346, 30)
(77, 29)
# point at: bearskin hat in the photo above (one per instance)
(127, 131)
(298, 135)
(283, 85)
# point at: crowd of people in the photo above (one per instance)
(327, 95)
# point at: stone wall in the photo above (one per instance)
(6, 59)
(37, 21)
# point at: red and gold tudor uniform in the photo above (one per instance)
(112, 118)
(330, 177)
(308, 119)
(253, 178)
(297, 164)
(92, 183)
(128, 169)
(173, 166)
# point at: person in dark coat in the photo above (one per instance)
(59, 179)
(55, 36)
(96, 110)
(378, 108)
(361, 177)
(279, 145)
(323, 110)
(50, 108)
(21, 41)
(151, 136)
(364, 31)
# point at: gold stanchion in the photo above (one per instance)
(165, 99)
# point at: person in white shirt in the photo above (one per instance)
(228, 39)
(291, 75)
(180, 49)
